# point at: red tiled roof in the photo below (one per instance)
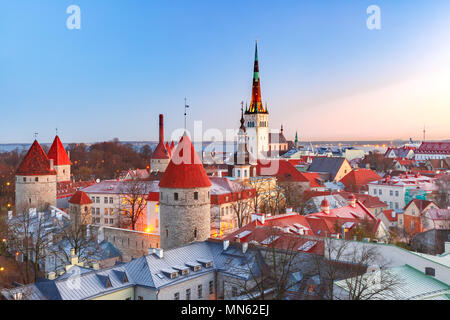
(282, 169)
(58, 153)
(420, 204)
(360, 177)
(313, 178)
(65, 189)
(185, 169)
(35, 162)
(388, 214)
(80, 197)
(160, 152)
(434, 147)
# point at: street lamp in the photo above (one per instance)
(2, 269)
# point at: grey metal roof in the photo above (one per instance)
(326, 164)
(81, 283)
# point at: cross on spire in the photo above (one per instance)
(36, 135)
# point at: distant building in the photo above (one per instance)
(332, 168)
(432, 150)
(411, 218)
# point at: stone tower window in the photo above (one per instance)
(167, 233)
(195, 233)
(195, 195)
(36, 179)
(24, 179)
(175, 196)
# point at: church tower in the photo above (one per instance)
(241, 164)
(61, 160)
(184, 199)
(35, 180)
(257, 117)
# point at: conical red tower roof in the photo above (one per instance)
(58, 153)
(80, 197)
(185, 169)
(256, 105)
(35, 163)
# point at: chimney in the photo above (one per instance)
(447, 247)
(51, 165)
(325, 206)
(51, 276)
(159, 253)
(352, 201)
(73, 257)
(161, 128)
(226, 243)
(244, 247)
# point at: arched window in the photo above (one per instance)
(196, 195)
(175, 196)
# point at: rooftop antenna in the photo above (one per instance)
(56, 130)
(185, 112)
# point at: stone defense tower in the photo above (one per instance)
(257, 117)
(162, 154)
(184, 199)
(35, 180)
(61, 160)
(80, 209)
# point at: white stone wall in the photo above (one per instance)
(180, 219)
(34, 194)
(62, 173)
(168, 293)
(159, 164)
(258, 137)
(398, 195)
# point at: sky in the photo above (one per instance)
(323, 72)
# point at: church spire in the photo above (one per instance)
(256, 106)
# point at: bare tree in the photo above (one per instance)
(349, 262)
(294, 195)
(269, 273)
(132, 202)
(30, 236)
(242, 205)
(442, 198)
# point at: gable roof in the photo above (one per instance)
(35, 162)
(327, 164)
(80, 197)
(185, 169)
(282, 169)
(360, 177)
(58, 153)
(420, 204)
(434, 147)
(160, 152)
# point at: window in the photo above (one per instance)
(111, 221)
(175, 196)
(188, 294)
(211, 287)
(167, 232)
(36, 179)
(106, 211)
(390, 205)
(200, 289)
(105, 200)
(24, 179)
(195, 195)
(396, 205)
(239, 173)
(379, 191)
(234, 292)
(195, 233)
(396, 193)
(97, 210)
(93, 210)
(111, 211)
(176, 296)
(97, 199)
(391, 193)
(97, 220)
(111, 200)
(106, 221)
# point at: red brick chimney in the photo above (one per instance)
(161, 128)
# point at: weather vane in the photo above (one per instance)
(185, 112)
(35, 135)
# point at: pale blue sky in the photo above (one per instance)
(323, 72)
